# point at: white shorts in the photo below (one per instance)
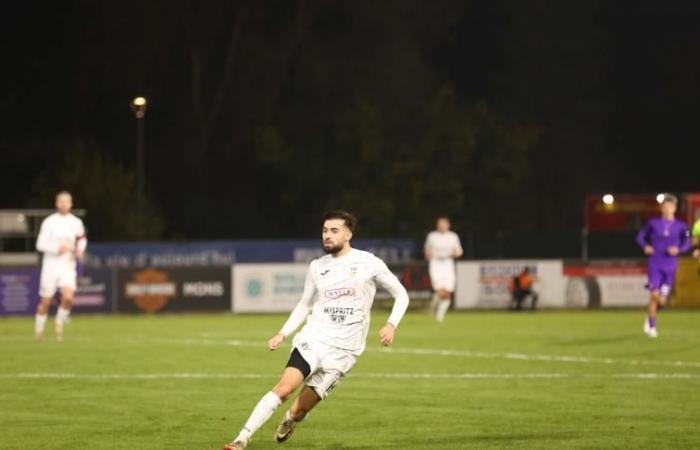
(328, 364)
(55, 278)
(443, 279)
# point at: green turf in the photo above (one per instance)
(544, 380)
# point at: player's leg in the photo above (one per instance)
(63, 311)
(443, 305)
(47, 289)
(334, 366)
(305, 402)
(293, 376)
(654, 285)
(42, 315)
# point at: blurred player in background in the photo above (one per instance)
(441, 248)
(336, 303)
(696, 239)
(662, 240)
(62, 241)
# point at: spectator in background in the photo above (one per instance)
(696, 239)
(521, 288)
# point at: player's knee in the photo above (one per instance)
(283, 390)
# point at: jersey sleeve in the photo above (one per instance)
(303, 308)
(81, 238)
(458, 245)
(643, 235)
(44, 243)
(386, 279)
(684, 239)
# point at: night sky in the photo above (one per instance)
(502, 114)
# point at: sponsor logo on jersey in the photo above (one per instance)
(338, 314)
(341, 292)
(325, 272)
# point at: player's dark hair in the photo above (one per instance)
(348, 218)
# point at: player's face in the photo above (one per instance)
(335, 235)
(64, 203)
(443, 225)
(668, 209)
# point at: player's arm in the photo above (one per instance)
(388, 281)
(45, 244)
(685, 240)
(81, 241)
(458, 250)
(298, 315)
(426, 249)
(643, 239)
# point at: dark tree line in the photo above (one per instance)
(263, 114)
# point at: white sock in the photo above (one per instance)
(40, 323)
(442, 308)
(262, 412)
(62, 315)
(434, 302)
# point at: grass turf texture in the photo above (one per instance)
(481, 380)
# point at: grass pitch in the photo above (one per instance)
(481, 380)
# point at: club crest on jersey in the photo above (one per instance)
(353, 271)
(341, 292)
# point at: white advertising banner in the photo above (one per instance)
(485, 284)
(263, 288)
(606, 284)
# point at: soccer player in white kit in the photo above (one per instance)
(336, 303)
(61, 240)
(441, 248)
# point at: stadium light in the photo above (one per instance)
(608, 199)
(138, 107)
(660, 198)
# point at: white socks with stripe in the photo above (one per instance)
(262, 412)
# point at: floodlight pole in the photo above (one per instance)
(138, 107)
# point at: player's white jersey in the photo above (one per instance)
(442, 246)
(55, 230)
(339, 292)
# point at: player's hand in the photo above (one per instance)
(63, 247)
(648, 250)
(696, 253)
(386, 335)
(275, 341)
(673, 250)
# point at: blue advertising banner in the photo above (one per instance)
(19, 290)
(226, 253)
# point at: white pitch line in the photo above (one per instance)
(389, 375)
(514, 356)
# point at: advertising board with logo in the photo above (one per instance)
(267, 287)
(94, 292)
(485, 284)
(606, 284)
(19, 291)
(153, 290)
(415, 278)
